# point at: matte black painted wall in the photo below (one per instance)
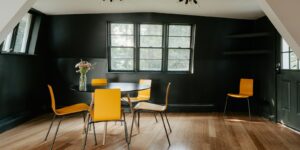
(22, 93)
(72, 37)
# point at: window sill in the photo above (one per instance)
(150, 72)
(17, 54)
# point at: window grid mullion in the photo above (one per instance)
(137, 49)
(166, 50)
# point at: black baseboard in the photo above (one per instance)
(191, 108)
(14, 120)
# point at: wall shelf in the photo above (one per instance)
(249, 35)
(247, 52)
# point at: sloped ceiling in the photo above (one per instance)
(239, 9)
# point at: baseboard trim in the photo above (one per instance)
(191, 107)
(12, 121)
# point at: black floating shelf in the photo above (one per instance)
(246, 52)
(249, 35)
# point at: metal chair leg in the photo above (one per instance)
(83, 116)
(86, 122)
(225, 105)
(155, 117)
(125, 128)
(133, 118)
(249, 108)
(168, 122)
(95, 138)
(85, 138)
(104, 133)
(165, 128)
(139, 113)
(50, 127)
(56, 133)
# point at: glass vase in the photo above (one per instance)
(82, 82)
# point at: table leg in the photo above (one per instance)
(104, 133)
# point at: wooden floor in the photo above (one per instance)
(191, 131)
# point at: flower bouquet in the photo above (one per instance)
(83, 68)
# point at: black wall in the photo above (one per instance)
(72, 37)
(64, 40)
(22, 89)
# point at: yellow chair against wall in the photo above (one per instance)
(161, 109)
(245, 92)
(107, 107)
(62, 112)
(99, 82)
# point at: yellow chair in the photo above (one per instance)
(106, 107)
(161, 109)
(246, 91)
(99, 82)
(143, 95)
(62, 112)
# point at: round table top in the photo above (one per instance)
(123, 86)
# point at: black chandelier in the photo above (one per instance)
(188, 1)
(185, 1)
(111, 0)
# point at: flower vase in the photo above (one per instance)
(82, 82)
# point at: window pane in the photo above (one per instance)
(179, 54)
(121, 64)
(179, 30)
(150, 29)
(7, 43)
(121, 40)
(121, 52)
(293, 61)
(150, 59)
(150, 41)
(154, 65)
(285, 61)
(122, 29)
(179, 42)
(284, 46)
(22, 35)
(178, 65)
(150, 53)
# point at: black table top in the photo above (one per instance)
(123, 86)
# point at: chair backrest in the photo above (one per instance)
(107, 105)
(52, 98)
(167, 94)
(99, 82)
(246, 87)
(145, 94)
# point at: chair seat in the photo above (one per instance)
(72, 109)
(135, 99)
(237, 95)
(149, 106)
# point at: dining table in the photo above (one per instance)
(125, 87)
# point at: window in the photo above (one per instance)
(150, 47)
(16, 41)
(179, 47)
(289, 59)
(122, 47)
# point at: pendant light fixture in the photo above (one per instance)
(188, 1)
